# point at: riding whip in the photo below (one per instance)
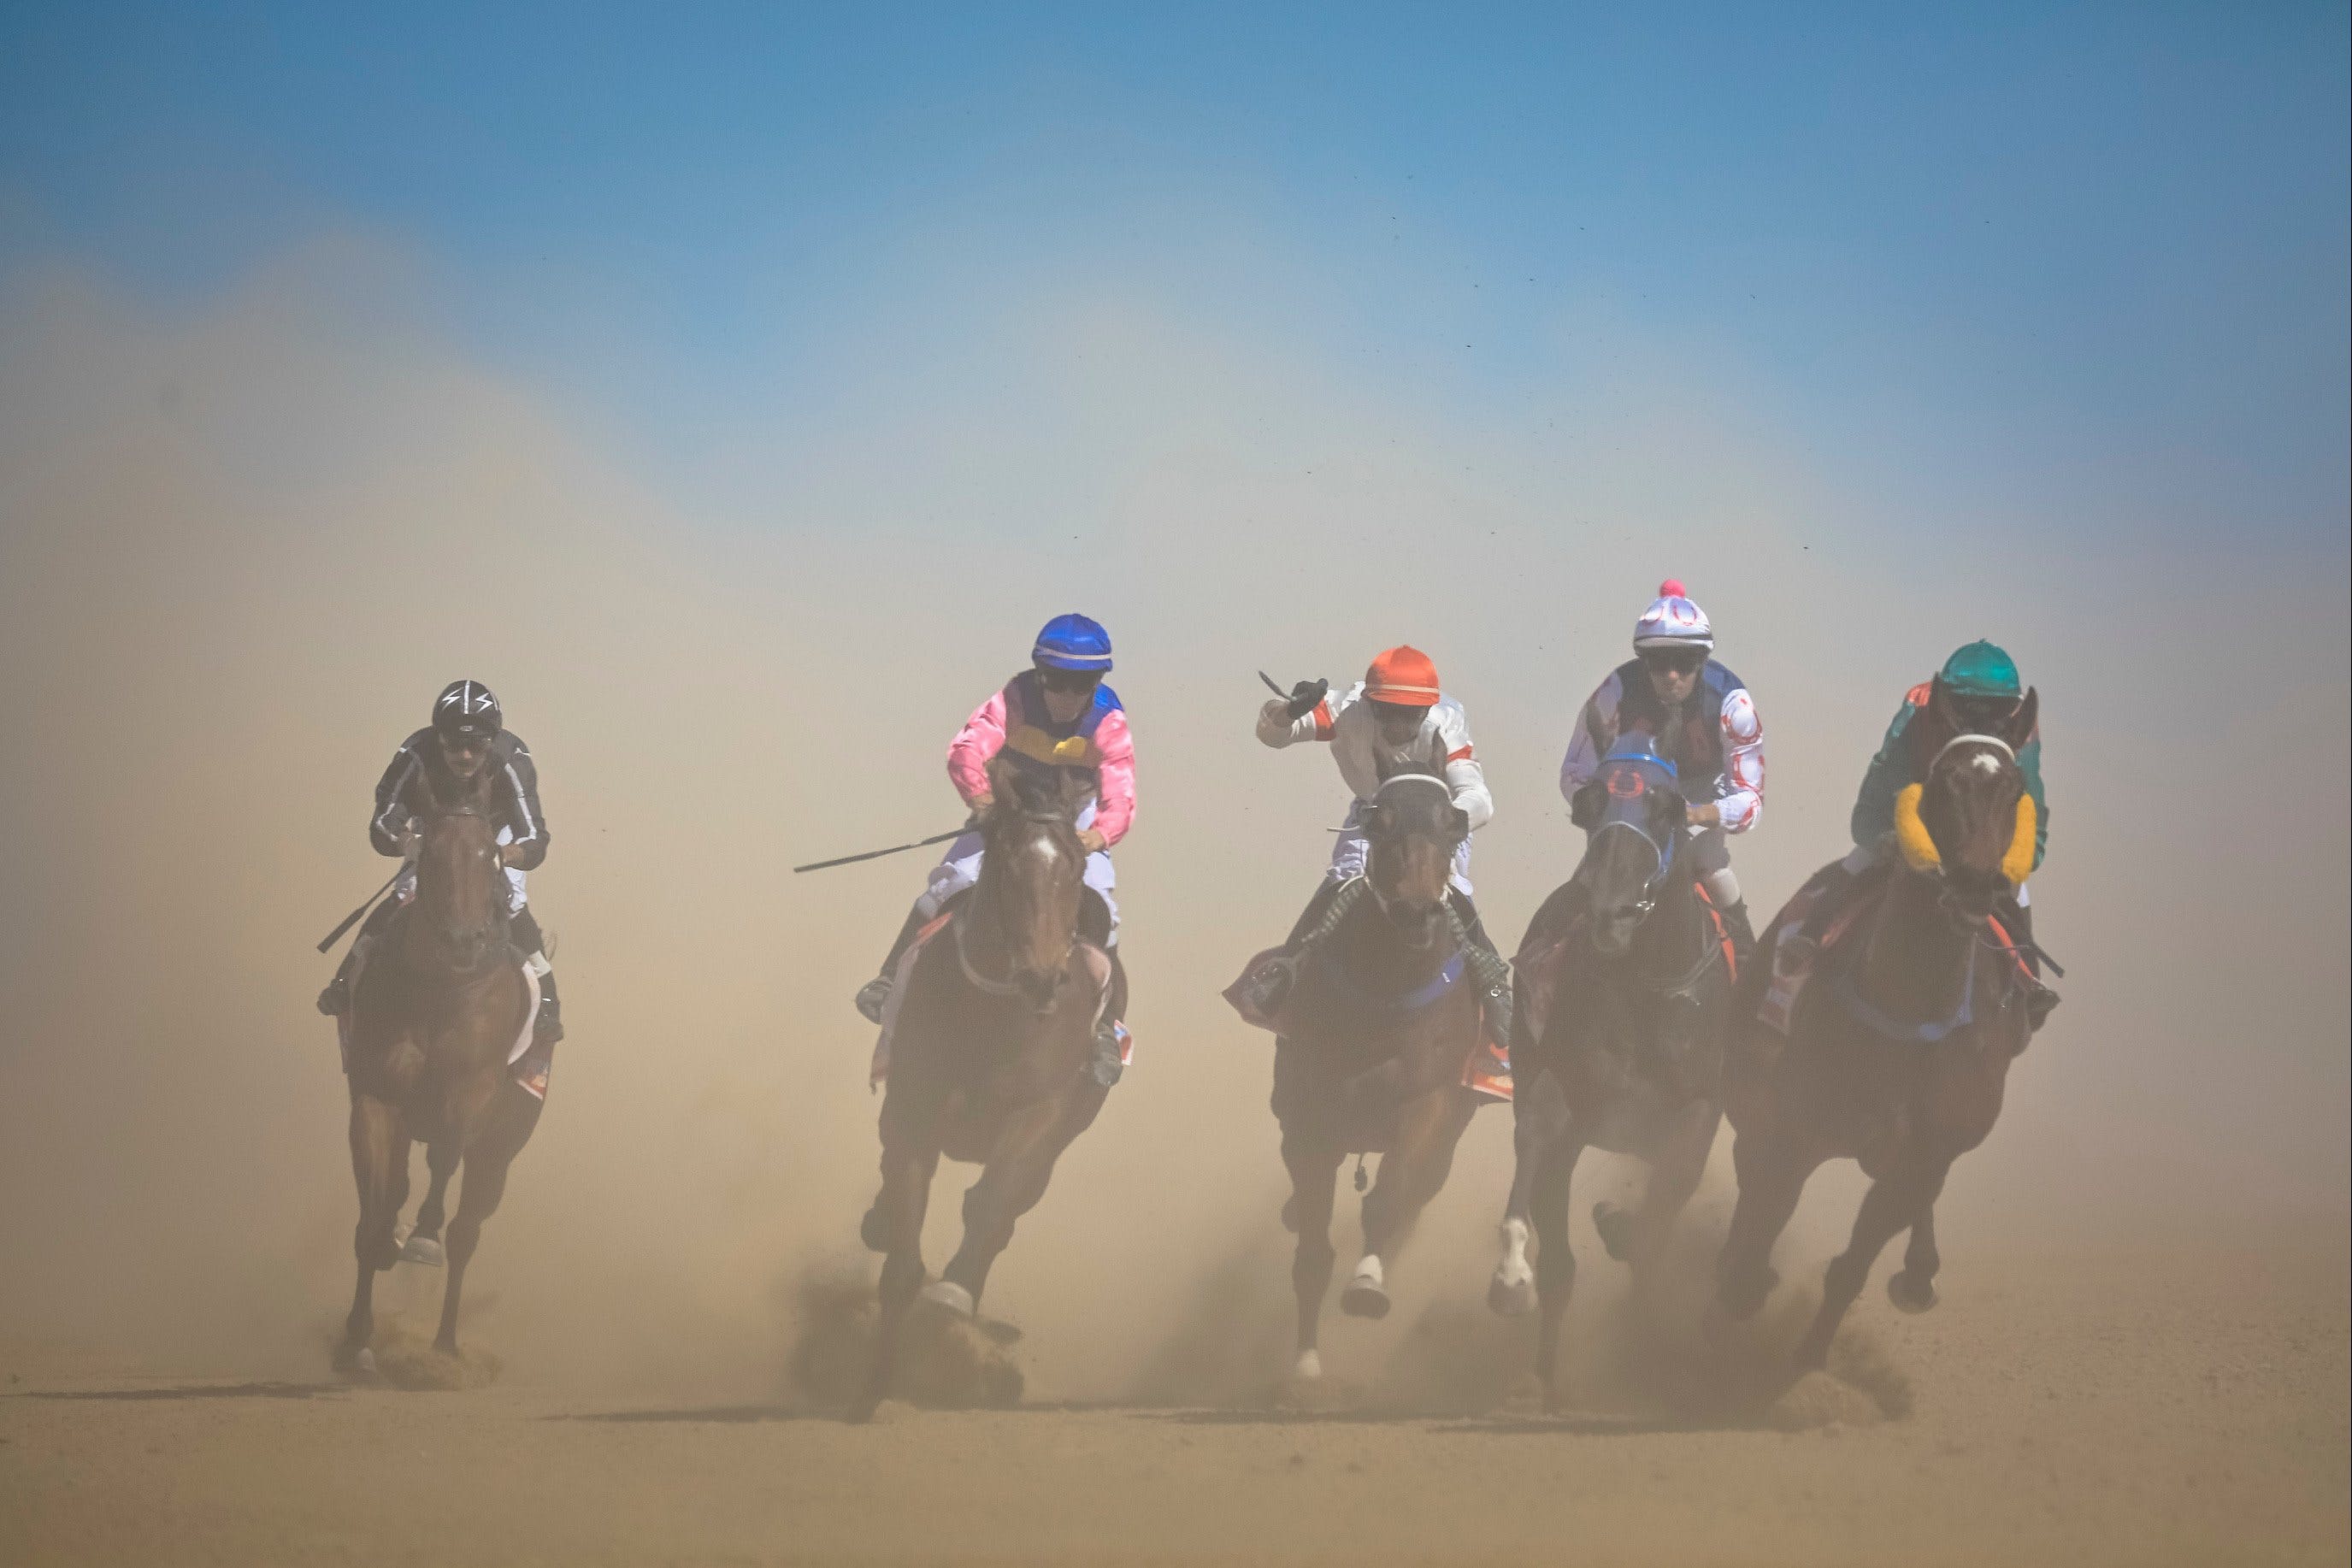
(349, 920)
(878, 854)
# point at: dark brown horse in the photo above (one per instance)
(436, 1012)
(990, 1053)
(1899, 1046)
(1374, 1038)
(1625, 986)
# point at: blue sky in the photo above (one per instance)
(2068, 244)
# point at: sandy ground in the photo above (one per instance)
(2134, 1406)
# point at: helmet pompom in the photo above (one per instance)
(1672, 588)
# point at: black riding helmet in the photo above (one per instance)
(467, 708)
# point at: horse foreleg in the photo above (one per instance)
(1772, 1176)
(1018, 1170)
(1548, 1206)
(514, 1116)
(1894, 1201)
(424, 1243)
(1677, 1165)
(1912, 1287)
(380, 1170)
(905, 1196)
(1539, 1118)
(1412, 1173)
(1314, 1185)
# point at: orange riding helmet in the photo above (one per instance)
(1404, 676)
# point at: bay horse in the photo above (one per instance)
(1624, 982)
(435, 1014)
(1371, 1047)
(992, 1052)
(1898, 1048)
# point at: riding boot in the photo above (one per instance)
(1110, 1037)
(2038, 997)
(336, 999)
(1486, 963)
(1742, 932)
(1824, 898)
(876, 991)
(1272, 981)
(548, 1028)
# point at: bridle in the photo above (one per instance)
(1421, 780)
(987, 985)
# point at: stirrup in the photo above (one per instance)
(871, 997)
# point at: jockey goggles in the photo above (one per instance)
(1068, 680)
(1675, 660)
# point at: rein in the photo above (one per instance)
(980, 983)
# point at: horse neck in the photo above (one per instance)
(1675, 935)
(1916, 963)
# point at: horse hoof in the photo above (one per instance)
(1290, 1214)
(359, 1363)
(1362, 1299)
(949, 1295)
(1908, 1296)
(1616, 1228)
(1308, 1367)
(873, 1231)
(424, 1250)
(1510, 1297)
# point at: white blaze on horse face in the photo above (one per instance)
(1986, 762)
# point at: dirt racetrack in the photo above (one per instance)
(2129, 1406)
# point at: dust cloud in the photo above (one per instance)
(243, 540)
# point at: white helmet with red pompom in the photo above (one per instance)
(1673, 621)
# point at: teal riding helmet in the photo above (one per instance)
(1982, 669)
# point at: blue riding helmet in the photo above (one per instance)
(1072, 642)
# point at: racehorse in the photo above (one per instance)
(1898, 1048)
(1624, 983)
(1372, 1047)
(991, 1051)
(436, 1015)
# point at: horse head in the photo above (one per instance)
(1970, 823)
(461, 887)
(1632, 816)
(1036, 867)
(1412, 830)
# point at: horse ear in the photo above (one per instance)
(997, 769)
(432, 795)
(1939, 703)
(2026, 721)
(1370, 819)
(1673, 811)
(1459, 820)
(1076, 790)
(1584, 805)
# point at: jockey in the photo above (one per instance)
(1394, 721)
(1698, 716)
(1981, 690)
(466, 736)
(1055, 715)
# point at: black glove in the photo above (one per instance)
(1304, 698)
